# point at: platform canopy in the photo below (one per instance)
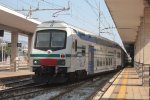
(13, 21)
(127, 16)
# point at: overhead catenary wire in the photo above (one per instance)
(102, 19)
(83, 18)
(91, 7)
(103, 23)
(37, 8)
(97, 14)
(26, 3)
(51, 3)
(95, 3)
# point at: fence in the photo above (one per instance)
(21, 62)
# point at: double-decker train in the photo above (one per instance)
(63, 52)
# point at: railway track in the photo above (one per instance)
(6, 83)
(16, 83)
(32, 90)
(14, 78)
(21, 92)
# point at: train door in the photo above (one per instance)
(115, 59)
(90, 60)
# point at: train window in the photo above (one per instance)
(81, 34)
(118, 55)
(83, 52)
(50, 39)
(104, 62)
(42, 40)
(97, 63)
(75, 44)
(100, 61)
(109, 61)
(58, 39)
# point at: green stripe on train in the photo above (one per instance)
(48, 55)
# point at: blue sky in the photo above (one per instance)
(82, 13)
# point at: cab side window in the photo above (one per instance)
(75, 44)
(83, 50)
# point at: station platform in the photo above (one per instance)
(127, 86)
(8, 74)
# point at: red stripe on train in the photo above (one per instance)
(50, 62)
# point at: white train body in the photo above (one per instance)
(67, 49)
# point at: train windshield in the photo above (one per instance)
(50, 40)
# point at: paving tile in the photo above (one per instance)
(136, 92)
(144, 94)
(129, 93)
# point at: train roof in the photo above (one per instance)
(84, 34)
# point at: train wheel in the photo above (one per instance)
(84, 74)
(81, 75)
(72, 77)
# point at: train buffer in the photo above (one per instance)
(127, 86)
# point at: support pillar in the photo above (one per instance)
(29, 42)
(14, 50)
(29, 47)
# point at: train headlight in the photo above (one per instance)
(36, 62)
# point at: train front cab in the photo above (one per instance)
(50, 62)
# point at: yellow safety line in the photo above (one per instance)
(122, 90)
